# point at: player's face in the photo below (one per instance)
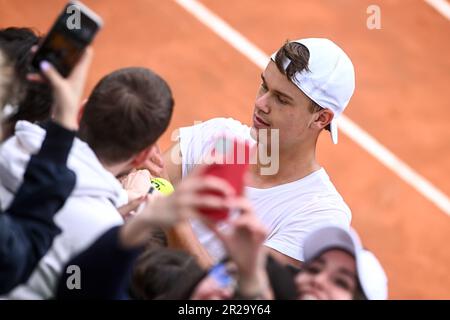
(281, 105)
(331, 276)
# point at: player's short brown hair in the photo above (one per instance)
(298, 54)
(127, 111)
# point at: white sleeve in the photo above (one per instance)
(84, 220)
(197, 140)
(289, 238)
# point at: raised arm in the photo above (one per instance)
(27, 228)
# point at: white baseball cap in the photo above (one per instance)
(330, 81)
(370, 273)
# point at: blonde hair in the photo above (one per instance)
(7, 79)
(4, 78)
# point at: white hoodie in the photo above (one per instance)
(88, 212)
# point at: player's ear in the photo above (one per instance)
(144, 155)
(323, 118)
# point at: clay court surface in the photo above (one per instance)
(402, 99)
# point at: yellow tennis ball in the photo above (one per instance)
(162, 185)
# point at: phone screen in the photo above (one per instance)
(71, 33)
(222, 276)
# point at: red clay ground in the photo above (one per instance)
(401, 98)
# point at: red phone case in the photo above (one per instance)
(231, 166)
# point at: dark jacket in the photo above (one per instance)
(27, 228)
(105, 270)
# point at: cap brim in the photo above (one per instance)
(371, 276)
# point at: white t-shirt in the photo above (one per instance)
(290, 211)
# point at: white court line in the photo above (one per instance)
(442, 6)
(353, 131)
(386, 157)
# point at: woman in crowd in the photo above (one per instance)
(338, 268)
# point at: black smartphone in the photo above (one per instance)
(72, 32)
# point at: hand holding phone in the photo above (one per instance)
(64, 45)
(231, 157)
(67, 92)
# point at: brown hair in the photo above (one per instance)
(359, 293)
(298, 55)
(32, 99)
(6, 78)
(165, 274)
(127, 111)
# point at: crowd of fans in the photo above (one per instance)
(75, 176)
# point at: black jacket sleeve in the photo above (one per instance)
(27, 228)
(105, 270)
